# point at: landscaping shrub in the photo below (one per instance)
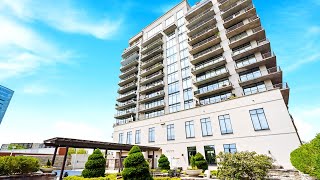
(10, 165)
(163, 162)
(197, 161)
(135, 166)
(95, 166)
(243, 165)
(306, 158)
(82, 178)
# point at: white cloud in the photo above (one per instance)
(35, 89)
(306, 60)
(22, 50)
(62, 16)
(307, 121)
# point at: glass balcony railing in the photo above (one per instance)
(149, 86)
(211, 74)
(204, 41)
(257, 74)
(128, 85)
(218, 46)
(210, 62)
(200, 23)
(125, 103)
(238, 13)
(212, 87)
(127, 94)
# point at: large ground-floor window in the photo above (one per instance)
(210, 154)
(191, 152)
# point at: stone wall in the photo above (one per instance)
(283, 174)
(58, 162)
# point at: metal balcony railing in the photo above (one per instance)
(204, 41)
(199, 15)
(233, 5)
(151, 59)
(128, 70)
(121, 113)
(218, 46)
(127, 94)
(152, 105)
(151, 85)
(132, 75)
(152, 75)
(211, 74)
(154, 50)
(212, 87)
(238, 13)
(151, 44)
(257, 74)
(125, 103)
(151, 67)
(209, 28)
(127, 85)
(208, 63)
(201, 23)
(155, 94)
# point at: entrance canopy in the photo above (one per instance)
(78, 143)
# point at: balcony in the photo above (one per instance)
(274, 74)
(154, 60)
(124, 105)
(124, 114)
(127, 87)
(132, 57)
(152, 87)
(157, 106)
(204, 34)
(169, 29)
(152, 39)
(213, 90)
(203, 15)
(226, 3)
(123, 121)
(151, 46)
(129, 71)
(247, 36)
(235, 7)
(153, 96)
(151, 69)
(211, 76)
(198, 8)
(210, 21)
(206, 54)
(128, 79)
(261, 46)
(268, 59)
(242, 26)
(152, 53)
(208, 64)
(127, 96)
(130, 50)
(240, 16)
(205, 44)
(153, 77)
(128, 66)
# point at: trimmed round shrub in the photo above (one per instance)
(163, 162)
(200, 162)
(95, 166)
(243, 165)
(135, 166)
(306, 158)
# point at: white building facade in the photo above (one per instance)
(204, 79)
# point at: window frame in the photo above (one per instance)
(139, 134)
(261, 129)
(188, 125)
(224, 120)
(229, 148)
(152, 139)
(170, 128)
(206, 122)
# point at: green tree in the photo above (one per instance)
(135, 166)
(95, 166)
(163, 162)
(306, 158)
(15, 146)
(197, 161)
(79, 151)
(243, 165)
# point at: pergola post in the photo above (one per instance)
(106, 154)
(54, 155)
(64, 162)
(120, 163)
(152, 160)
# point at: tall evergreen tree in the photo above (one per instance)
(95, 166)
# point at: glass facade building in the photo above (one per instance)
(5, 98)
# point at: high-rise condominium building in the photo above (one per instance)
(204, 79)
(5, 97)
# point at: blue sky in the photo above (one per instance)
(62, 59)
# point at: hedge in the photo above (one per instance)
(10, 165)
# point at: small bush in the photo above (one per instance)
(82, 178)
(243, 165)
(163, 162)
(214, 173)
(198, 162)
(10, 165)
(306, 158)
(95, 166)
(135, 166)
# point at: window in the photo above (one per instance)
(120, 138)
(154, 31)
(174, 87)
(169, 21)
(225, 124)
(187, 83)
(230, 148)
(154, 114)
(251, 74)
(188, 104)
(215, 98)
(255, 88)
(210, 154)
(190, 129)
(246, 61)
(184, 54)
(170, 132)
(172, 59)
(173, 77)
(129, 137)
(138, 137)
(187, 94)
(206, 127)
(174, 98)
(259, 119)
(172, 68)
(174, 108)
(192, 151)
(185, 72)
(180, 14)
(151, 134)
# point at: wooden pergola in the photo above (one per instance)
(87, 144)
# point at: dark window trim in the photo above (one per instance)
(206, 127)
(259, 121)
(185, 123)
(225, 124)
(174, 138)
